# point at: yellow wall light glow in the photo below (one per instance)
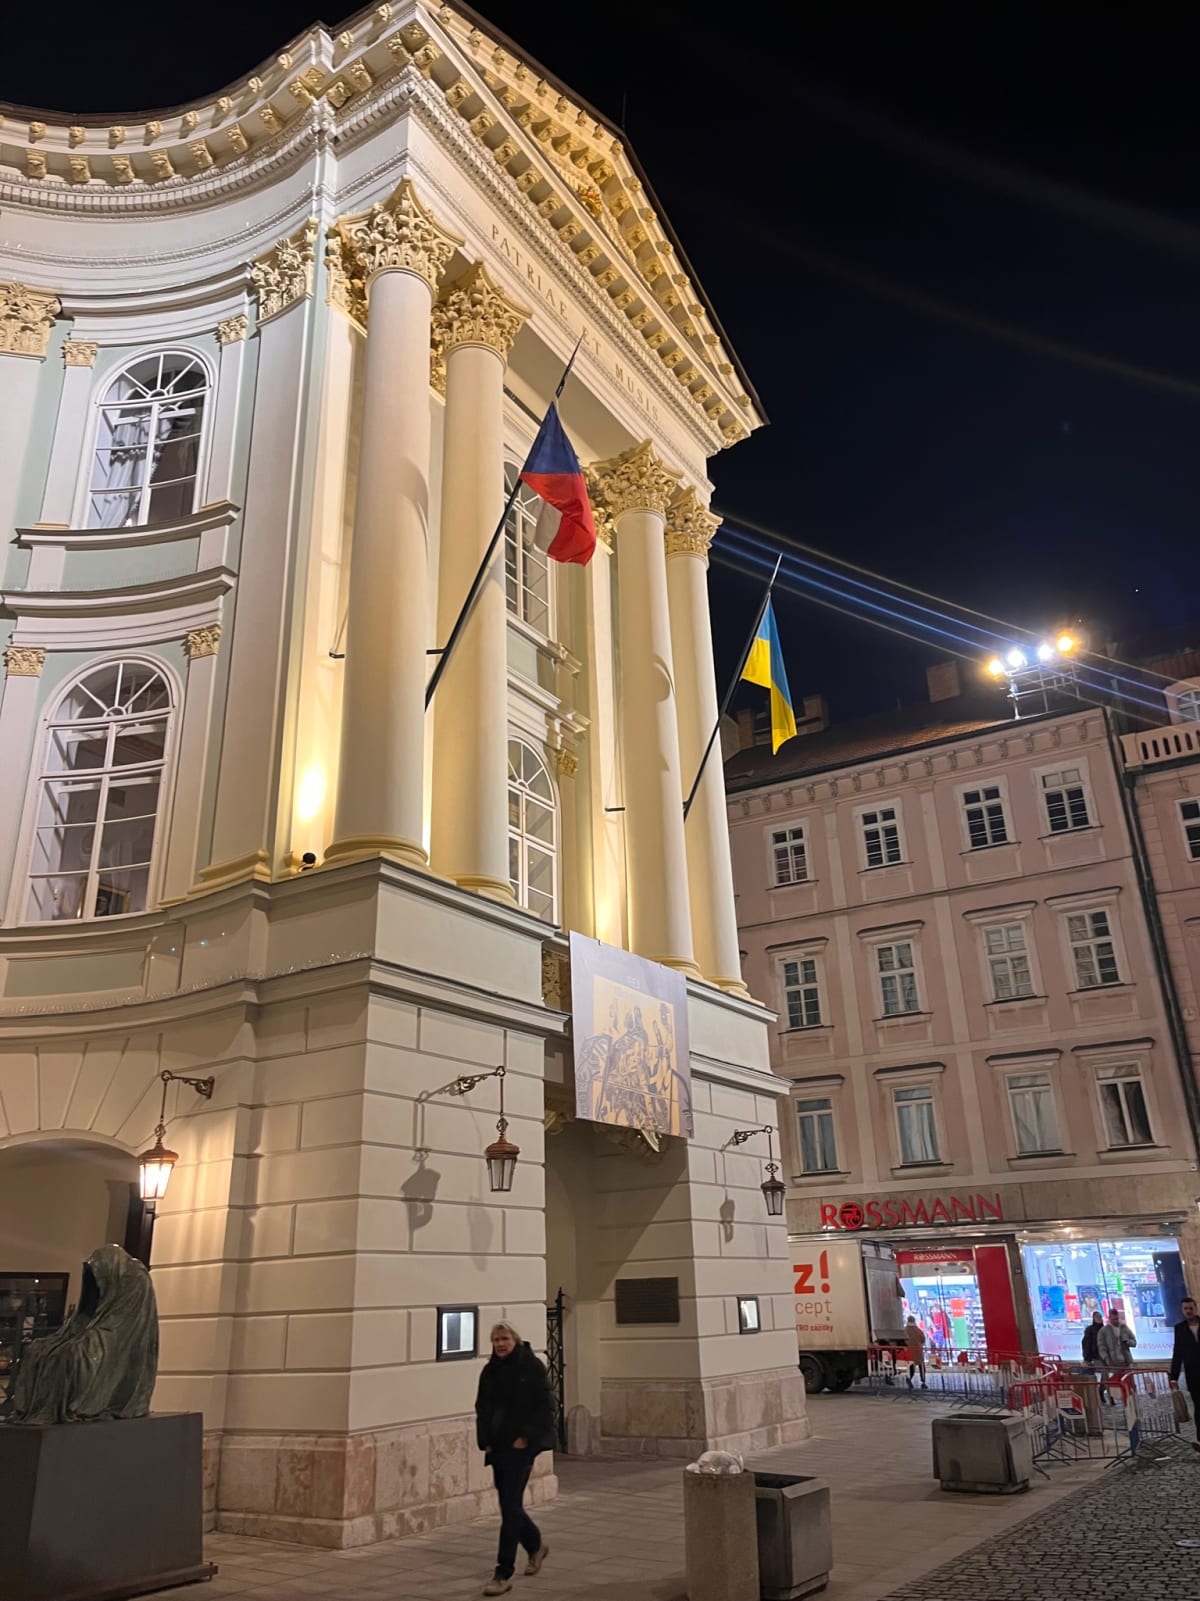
(310, 796)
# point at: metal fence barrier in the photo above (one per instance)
(1078, 1414)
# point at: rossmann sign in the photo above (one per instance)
(902, 1213)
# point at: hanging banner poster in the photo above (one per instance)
(632, 1063)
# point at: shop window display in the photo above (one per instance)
(1069, 1280)
(944, 1299)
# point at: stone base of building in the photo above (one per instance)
(339, 1491)
(683, 1417)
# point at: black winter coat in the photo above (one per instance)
(1091, 1342)
(513, 1403)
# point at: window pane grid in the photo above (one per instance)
(802, 993)
(818, 1142)
(897, 979)
(1123, 1103)
(149, 434)
(881, 837)
(1035, 1122)
(532, 832)
(94, 838)
(790, 852)
(1189, 815)
(986, 824)
(916, 1125)
(526, 568)
(1066, 800)
(1093, 950)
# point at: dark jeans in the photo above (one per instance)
(511, 1470)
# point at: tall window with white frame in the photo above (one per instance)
(881, 837)
(1034, 1116)
(802, 992)
(1187, 706)
(897, 978)
(1008, 961)
(1066, 800)
(1123, 1105)
(532, 831)
(1189, 816)
(148, 442)
(1093, 950)
(916, 1125)
(526, 567)
(789, 855)
(983, 811)
(818, 1138)
(98, 795)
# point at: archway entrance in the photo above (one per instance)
(59, 1200)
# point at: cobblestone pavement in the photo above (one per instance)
(1115, 1539)
(616, 1530)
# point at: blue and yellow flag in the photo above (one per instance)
(764, 666)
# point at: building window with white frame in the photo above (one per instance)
(1008, 961)
(818, 1138)
(526, 568)
(1123, 1105)
(1189, 816)
(146, 460)
(916, 1125)
(802, 992)
(1034, 1115)
(881, 836)
(897, 978)
(1066, 800)
(983, 811)
(1187, 706)
(98, 795)
(1093, 950)
(532, 831)
(789, 855)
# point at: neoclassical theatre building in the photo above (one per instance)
(268, 364)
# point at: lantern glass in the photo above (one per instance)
(155, 1167)
(773, 1194)
(501, 1157)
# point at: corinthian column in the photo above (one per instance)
(690, 528)
(476, 325)
(637, 489)
(402, 253)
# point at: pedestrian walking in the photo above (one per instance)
(1185, 1359)
(1091, 1348)
(1115, 1343)
(514, 1422)
(915, 1335)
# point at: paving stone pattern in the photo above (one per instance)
(1114, 1540)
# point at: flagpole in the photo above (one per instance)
(733, 684)
(485, 566)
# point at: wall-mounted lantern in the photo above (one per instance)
(774, 1191)
(156, 1165)
(501, 1155)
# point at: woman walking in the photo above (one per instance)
(514, 1421)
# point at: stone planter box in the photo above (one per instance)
(982, 1453)
(795, 1536)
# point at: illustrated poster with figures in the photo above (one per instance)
(632, 1061)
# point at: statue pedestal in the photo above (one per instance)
(100, 1511)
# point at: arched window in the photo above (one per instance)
(98, 795)
(532, 831)
(526, 568)
(148, 442)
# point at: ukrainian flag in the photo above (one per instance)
(764, 666)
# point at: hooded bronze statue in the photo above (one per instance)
(103, 1363)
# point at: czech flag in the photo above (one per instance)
(565, 530)
(764, 666)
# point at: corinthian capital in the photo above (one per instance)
(283, 275)
(26, 318)
(636, 480)
(690, 526)
(474, 310)
(399, 233)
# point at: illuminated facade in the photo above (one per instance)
(268, 363)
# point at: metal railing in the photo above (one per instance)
(1077, 1414)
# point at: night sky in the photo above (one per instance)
(958, 251)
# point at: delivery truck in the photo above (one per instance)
(848, 1297)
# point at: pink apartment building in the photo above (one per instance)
(954, 917)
